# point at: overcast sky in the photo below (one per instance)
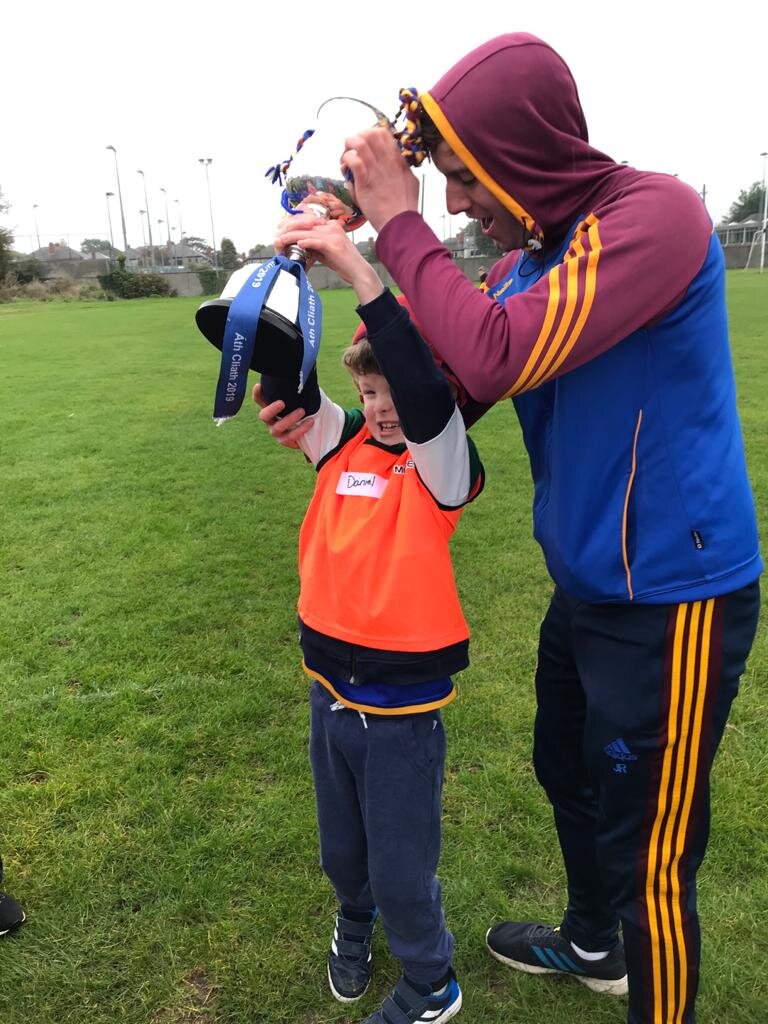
(673, 86)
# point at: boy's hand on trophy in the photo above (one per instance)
(286, 430)
(325, 240)
(328, 243)
(335, 207)
(294, 227)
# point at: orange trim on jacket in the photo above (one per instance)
(375, 709)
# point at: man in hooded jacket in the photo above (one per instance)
(606, 325)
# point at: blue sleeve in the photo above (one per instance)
(420, 392)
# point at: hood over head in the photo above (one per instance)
(510, 111)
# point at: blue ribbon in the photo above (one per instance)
(242, 326)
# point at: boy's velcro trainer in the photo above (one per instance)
(540, 949)
(349, 959)
(404, 1005)
(11, 914)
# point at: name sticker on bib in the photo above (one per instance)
(367, 485)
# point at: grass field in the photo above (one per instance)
(156, 810)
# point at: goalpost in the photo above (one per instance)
(759, 233)
(761, 230)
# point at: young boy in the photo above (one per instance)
(382, 632)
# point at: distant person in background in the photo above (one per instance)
(606, 324)
(11, 914)
(482, 274)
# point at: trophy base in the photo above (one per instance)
(279, 346)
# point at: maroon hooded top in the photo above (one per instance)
(511, 112)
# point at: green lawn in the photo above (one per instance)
(156, 810)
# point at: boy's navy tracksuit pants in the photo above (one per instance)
(378, 785)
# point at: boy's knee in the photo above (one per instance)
(403, 899)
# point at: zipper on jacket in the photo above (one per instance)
(624, 518)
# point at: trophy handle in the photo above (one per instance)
(295, 252)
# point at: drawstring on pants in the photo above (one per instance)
(338, 706)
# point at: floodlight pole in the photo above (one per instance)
(149, 222)
(178, 211)
(765, 216)
(169, 243)
(120, 198)
(109, 195)
(37, 229)
(167, 218)
(206, 161)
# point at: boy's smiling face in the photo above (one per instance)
(379, 410)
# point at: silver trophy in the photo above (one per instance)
(272, 338)
(279, 345)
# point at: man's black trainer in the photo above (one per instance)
(540, 949)
(11, 914)
(349, 959)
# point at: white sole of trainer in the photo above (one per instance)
(617, 987)
(339, 996)
(8, 931)
(451, 1011)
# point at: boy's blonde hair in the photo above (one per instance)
(360, 360)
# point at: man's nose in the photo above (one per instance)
(456, 198)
